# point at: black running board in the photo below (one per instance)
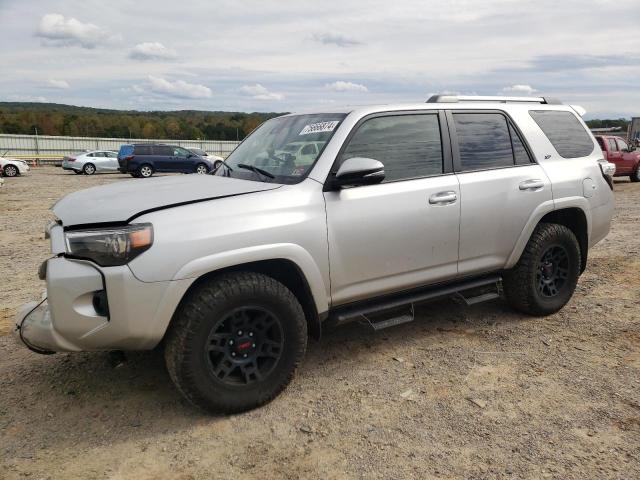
(362, 310)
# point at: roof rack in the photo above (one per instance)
(496, 99)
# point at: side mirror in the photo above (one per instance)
(359, 171)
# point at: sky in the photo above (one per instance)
(271, 55)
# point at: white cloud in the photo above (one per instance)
(341, 86)
(56, 30)
(152, 51)
(179, 88)
(62, 84)
(520, 89)
(258, 92)
(335, 39)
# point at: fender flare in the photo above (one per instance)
(287, 251)
(537, 215)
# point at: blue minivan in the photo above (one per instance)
(144, 159)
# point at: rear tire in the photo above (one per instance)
(11, 171)
(78, 172)
(145, 171)
(545, 277)
(89, 169)
(235, 342)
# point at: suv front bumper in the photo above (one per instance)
(72, 318)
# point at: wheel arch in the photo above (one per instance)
(572, 212)
(284, 270)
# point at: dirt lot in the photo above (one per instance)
(463, 392)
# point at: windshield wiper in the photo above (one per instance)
(256, 170)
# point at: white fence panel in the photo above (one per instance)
(51, 149)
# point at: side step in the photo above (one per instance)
(387, 308)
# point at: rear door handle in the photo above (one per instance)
(443, 198)
(534, 184)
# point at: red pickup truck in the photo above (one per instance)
(626, 159)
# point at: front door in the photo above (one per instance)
(403, 232)
(615, 156)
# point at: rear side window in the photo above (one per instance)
(565, 132)
(143, 150)
(163, 150)
(125, 150)
(484, 141)
(612, 145)
(409, 146)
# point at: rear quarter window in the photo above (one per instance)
(565, 132)
(126, 150)
(143, 150)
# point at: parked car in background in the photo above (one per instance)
(90, 162)
(12, 167)
(209, 156)
(143, 160)
(624, 157)
(302, 153)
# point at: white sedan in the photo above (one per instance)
(12, 167)
(91, 162)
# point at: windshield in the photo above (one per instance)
(269, 149)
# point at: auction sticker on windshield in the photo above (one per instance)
(319, 127)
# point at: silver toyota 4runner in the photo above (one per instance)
(392, 205)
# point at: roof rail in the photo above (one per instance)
(497, 99)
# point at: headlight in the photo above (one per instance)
(110, 246)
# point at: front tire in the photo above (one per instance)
(89, 169)
(235, 342)
(635, 176)
(545, 277)
(11, 171)
(201, 169)
(78, 172)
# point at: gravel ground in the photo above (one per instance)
(463, 392)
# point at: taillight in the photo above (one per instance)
(608, 169)
(127, 158)
(72, 159)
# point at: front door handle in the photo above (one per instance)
(534, 184)
(443, 198)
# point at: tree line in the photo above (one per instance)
(57, 119)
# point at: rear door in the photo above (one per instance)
(500, 187)
(403, 232)
(163, 158)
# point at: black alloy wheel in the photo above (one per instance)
(244, 346)
(553, 271)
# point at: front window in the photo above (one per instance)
(272, 153)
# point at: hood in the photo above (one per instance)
(122, 201)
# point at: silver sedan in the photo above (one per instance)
(92, 162)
